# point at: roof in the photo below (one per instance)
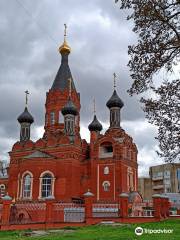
(164, 165)
(38, 154)
(95, 125)
(25, 117)
(69, 108)
(114, 101)
(88, 194)
(63, 75)
(123, 194)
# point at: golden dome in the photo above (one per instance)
(64, 47)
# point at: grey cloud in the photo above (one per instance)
(99, 36)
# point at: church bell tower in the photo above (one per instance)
(58, 95)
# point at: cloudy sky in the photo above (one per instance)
(99, 34)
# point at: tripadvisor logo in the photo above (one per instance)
(139, 231)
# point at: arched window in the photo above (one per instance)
(25, 131)
(46, 185)
(106, 186)
(61, 118)
(69, 124)
(27, 186)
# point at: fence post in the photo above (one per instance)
(157, 205)
(167, 206)
(49, 209)
(123, 200)
(7, 200)
(163, 206)
(88, 206)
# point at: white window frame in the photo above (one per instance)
(106, 170)
(106, 186)
(40, 183)
(61, 117)
(22, 185)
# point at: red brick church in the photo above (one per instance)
(62, 165)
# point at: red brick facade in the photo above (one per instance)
(107, 165)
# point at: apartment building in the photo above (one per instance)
(145, 187)
(165, 178)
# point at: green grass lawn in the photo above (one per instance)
(124, 232)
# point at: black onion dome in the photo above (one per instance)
(115, 101)
(25, 117)
(95, 125)
(69, 108)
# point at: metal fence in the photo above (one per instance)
(69, 212)
(107, 210)
(144, 209)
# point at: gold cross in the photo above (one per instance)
(115, 76)
(27, 93)
(65, 31)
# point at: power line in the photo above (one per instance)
(34, 19)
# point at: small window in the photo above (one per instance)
(106, 170)
(25, 132)
(106, 186)
(52, 118)
(2, 190)
(106, 150)
(160, 174)
(61, 118)
(178, 174)
(69, 125)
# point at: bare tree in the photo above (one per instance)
(157, 24)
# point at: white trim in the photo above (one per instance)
(98, 182)
(2, 186)
(21, 190)
(106, 182)
(45, 172)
